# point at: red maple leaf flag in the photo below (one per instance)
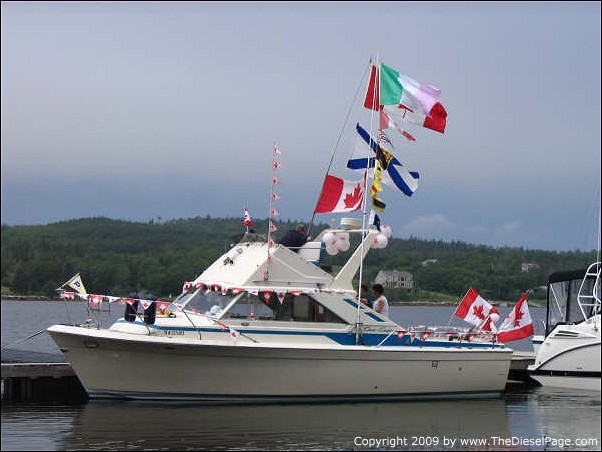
(340, 195)
(518, 324)
(247, 221)
(474, 308)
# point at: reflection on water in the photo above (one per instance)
(142, 425)
(523, 414)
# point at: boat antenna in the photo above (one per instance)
(336, 146)
(364, 225)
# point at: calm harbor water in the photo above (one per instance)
(522, 419)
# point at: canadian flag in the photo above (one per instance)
(340, 195)
(474, 308)
(518, 324)
(247, 221)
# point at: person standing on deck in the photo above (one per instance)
(380, 304)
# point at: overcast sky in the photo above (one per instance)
(144, 110)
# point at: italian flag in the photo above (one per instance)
(402, 99)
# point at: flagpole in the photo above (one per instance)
(364, 233)
(456, 310)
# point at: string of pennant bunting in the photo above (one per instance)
(223, 289)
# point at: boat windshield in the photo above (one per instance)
(207, 302)
(563, 301)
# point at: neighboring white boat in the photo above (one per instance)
(569, 355)
(298, 336)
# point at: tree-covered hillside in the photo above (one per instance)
(115, 257)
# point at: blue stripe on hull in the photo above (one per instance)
(340, 338)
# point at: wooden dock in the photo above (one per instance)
(58, 382)
(518, 368)
(41, 382)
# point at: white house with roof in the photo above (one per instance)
(395, 279)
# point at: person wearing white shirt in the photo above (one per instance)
(380, 304)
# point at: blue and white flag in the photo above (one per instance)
(364, 147)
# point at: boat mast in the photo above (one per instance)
(364, 212)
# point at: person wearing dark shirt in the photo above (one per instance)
(365, 295)
(295, 238)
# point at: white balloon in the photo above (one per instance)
(386, 230)
(342, 244)
(380, 241)
(332, 249)
(328, 238)
(494, 316)
(343, 236)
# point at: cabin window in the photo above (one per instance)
(299, 308)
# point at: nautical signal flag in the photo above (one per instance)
(518, 324)
(394, 175)
(76, 283)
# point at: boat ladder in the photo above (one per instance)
(587, 299)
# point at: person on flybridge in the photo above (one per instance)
(295, 238)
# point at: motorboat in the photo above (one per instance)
(568, 355)
(264, 323)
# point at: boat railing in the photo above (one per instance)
(587, 299)
(446, 333)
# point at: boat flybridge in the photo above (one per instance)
(264, 323)
(569, 354)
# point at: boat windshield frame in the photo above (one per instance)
(563, 304)
(209, 303)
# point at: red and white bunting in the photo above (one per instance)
(224, 290)
(274, 212)
(277, 165)
(66, 295)
(275, 181)
(95, 300)
(295, 293)
(111, 299)
(222, 326)
(275, 196)
(200, 285)
(276, 150)
(162, 306)
(280, 296)
(216, 288)
(236, 290)
(146, 303)
(267, 295)
(273, 227)
(130, 301)
(271, 244)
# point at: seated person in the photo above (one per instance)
(295, 238)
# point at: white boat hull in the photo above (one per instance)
(117, 365)
(569, 357)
